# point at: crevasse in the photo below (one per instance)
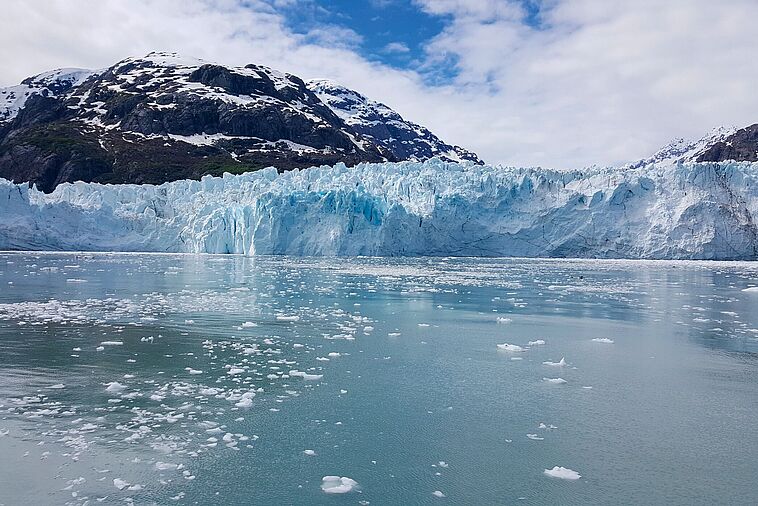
(681, 211)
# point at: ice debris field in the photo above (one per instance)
(155, 378)
(666, 211)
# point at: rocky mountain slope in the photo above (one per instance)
(720, 145)
(163, 117)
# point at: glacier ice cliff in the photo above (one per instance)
(679, 211)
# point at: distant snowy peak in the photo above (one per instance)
(721, 144)
(52, 83)
(406, 140)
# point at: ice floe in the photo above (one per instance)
(563, 473)
(338, 485)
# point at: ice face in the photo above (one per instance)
(682, 211)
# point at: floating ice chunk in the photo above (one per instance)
(555, 381)
(442, 464)
(393, 334)
(334, 354)
(235, 370)
(338, 485)
(751, 289)
(563, 473)
(189, 322)
(247, 325)
(120, 484)
(538, 342)
(115, 387)
(166, 466)
(560, 363)
(310, 453)
(308, 377)
(513, 348)
(603, 340)
(246, 400)
(285, 318)
(503, 319)
(112, 343)
(535, 437)
(57, 386)
(423, 324)
(100, 348)
(437, 493)
(192, 371)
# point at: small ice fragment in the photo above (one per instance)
(535, 437)
(166, 466)
(310, 453)
(193, 371)
(513, 348)
(120, 484)
(603, 340)
(555, 381)
(189, 322)
(247, 325)
(57, 386)
(560, 363)
(502, 319)
(437, 493)
(285, 318)
(115, 387)
(563, 473)
(338, 485)
(538, 342)
(751, 289)
(112, 343)
(100, 348)
(234, 371)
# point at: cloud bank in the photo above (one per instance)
(561, 83)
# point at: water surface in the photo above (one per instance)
(181, 379)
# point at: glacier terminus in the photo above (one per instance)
(673, 210)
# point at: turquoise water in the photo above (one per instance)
(142, 369)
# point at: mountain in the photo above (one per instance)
(164, 117)
(406, 140)
(433, 208)
(720, 145)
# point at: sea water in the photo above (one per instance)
(183, 379)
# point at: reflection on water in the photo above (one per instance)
(237, 380)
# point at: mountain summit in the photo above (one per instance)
(164, 117)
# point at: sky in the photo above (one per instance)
(554, 83)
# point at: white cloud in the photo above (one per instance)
(396, 47)
(597, 81)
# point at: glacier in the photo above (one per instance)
(434, 208)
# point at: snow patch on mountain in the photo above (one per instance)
(52, 83)
(406, 140)
(682, 150)
(686, 211)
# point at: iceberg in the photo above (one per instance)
(435, 208)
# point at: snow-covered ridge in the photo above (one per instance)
(52, 83)
(686, 150)
(684, 211)
(407, 140)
